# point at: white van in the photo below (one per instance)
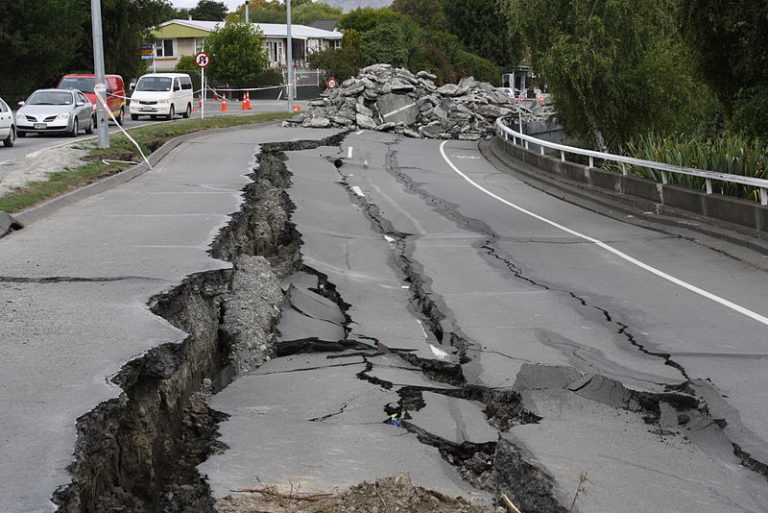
(162, 94)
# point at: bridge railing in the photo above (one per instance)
(518, 138)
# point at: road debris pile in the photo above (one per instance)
(393, 99)
(394, 493)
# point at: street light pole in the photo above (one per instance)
(247, 12)
(98, 67)
(290, 57)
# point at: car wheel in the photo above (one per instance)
(120, 116)
(187, 112)
(134, 117)
(75, 128)
(172, 113)
(8, 141)
(89, 128)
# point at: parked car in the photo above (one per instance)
(7, 125)
(51, 111)
(162, 94)
(85, 83)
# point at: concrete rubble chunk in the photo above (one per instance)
(385, 98)
(365, 122)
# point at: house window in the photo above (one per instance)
(336, 44)
(164, 48)
(313, 45)
(275, 52)
(199, 44)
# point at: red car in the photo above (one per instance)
(85, 83)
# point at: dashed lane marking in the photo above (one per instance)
(661, 274)
(349, 152)
(357, 190)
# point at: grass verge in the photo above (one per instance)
(100, 161)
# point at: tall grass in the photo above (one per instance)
(730, 153)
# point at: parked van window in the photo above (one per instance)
(186, 83)
(154, 84)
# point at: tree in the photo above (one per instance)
(39, 38)
(237, 53)
(616, 68)
(489, 28)
(209, 10)
(730, 41)
(429, 14)
(127, 24)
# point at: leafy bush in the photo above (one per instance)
(731, 153)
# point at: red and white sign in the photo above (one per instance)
(202, 59)
(331, 83)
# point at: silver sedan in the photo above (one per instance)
(55, 111)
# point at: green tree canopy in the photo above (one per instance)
(126, 25)
(209, 10)
(616, 68)
(429, 14)
(237, 53)
(39, 38)
(489, 28)
(730, 41)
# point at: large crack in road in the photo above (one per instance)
(141, 452)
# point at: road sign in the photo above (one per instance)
(202, 60)
(331, 83)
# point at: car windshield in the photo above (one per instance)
(50, 98)
(154, 84)
(83, 83)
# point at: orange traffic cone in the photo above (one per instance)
(297, 108)
(193, 105)
(223, 104)
(246, 102)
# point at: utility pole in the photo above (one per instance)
(98, 67)
(290, 58)
(247, 12)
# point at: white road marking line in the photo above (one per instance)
(398, 111)
(357, 190)
(349, 152)
(439, 353)
(468, 157)
(728, 304)
(422, 328)
(3, 162)
(389, 239)
(360, 132)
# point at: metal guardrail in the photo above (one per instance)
(762, 185)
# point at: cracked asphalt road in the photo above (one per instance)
(641, 384)
(515, 355)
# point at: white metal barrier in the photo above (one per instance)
(761, 184)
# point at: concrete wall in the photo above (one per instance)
(633, 188)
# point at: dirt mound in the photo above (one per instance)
(388, 495)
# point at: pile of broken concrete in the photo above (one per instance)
(392, 99)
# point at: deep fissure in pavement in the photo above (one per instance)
(139, 452)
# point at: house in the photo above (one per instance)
(177, 38)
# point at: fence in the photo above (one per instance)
(709, 176)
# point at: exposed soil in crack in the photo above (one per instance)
(139, 452)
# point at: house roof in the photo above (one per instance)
(273, 30)
(329, 25)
